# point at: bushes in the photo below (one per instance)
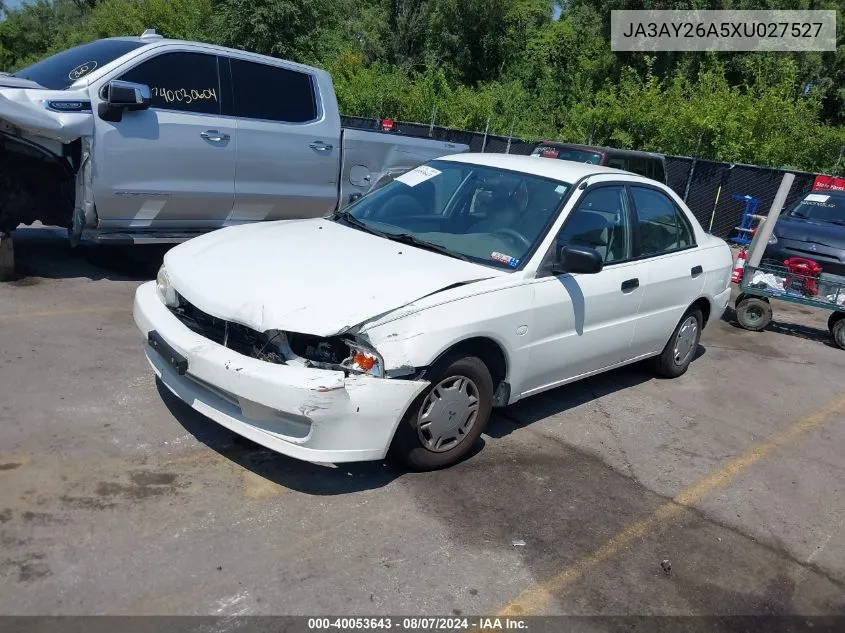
(505, 60)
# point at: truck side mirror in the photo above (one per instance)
(577, 259)
(123, 95)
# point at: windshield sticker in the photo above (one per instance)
(560, 189)
(816, 197)
(418, 175)
(513, 262)
(81, 70)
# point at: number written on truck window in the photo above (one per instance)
(180, 81)
(272, 93)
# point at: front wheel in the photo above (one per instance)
(679, 351)
(445, 421)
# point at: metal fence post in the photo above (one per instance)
(433, 117)
(510, 136)
(692, 168)
(486, 129)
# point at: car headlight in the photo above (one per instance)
(335, 353)
(165, 290)
(364, 360)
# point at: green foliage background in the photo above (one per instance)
(509, 60)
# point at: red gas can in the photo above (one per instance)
(803, 273)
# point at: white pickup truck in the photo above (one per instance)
(145, 139)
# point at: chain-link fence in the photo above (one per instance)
(707, 186)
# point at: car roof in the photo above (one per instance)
(157, 41)
(597, 148)
(562, 170)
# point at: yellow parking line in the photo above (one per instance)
(65, 312)
(534, 598)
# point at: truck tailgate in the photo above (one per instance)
(368, 157)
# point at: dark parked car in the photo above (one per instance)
(643, 163)
(813, 228)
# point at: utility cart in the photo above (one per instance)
(796, 280)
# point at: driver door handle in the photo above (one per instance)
(631, 284)
(214, 135)
(319, 146)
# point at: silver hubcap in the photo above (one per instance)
(686, 340)
(448, 413)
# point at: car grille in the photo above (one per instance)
(235, 336)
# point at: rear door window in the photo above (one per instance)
(272, 93)
(662, 226)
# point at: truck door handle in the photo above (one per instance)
(319, 146)
(631, 284)
(696, 271)
(214, 135)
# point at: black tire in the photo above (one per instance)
(838, 330)
(408, 444)
(669, 364)
(833, 318)
(754, 314)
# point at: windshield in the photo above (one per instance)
(821, 207)
(59, 71)
(567, 153)
(484, 214)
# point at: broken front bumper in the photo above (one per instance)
(310, 414)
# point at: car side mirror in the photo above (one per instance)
(123, 95)
(577, 259)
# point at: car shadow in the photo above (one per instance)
(45, 252)
(806, 332)
(562, 399)
(319, 479)
(305, 477)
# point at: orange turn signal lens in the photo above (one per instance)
(364, 361)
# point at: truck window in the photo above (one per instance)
(568, 153)
(618, 162)
(656, 170)
(180, 81)
(272, 93)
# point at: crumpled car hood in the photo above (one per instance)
(24, 108)
(311, 276)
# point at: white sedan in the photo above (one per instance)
(397, 324)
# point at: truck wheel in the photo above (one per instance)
(833, 318)
(754, 313)
(837, 328)
(447, 418)
(679, 351)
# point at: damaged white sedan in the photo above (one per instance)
(397, 324)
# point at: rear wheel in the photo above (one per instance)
(446, 420)
(836, 323)
(679, 351)
(753, 313)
